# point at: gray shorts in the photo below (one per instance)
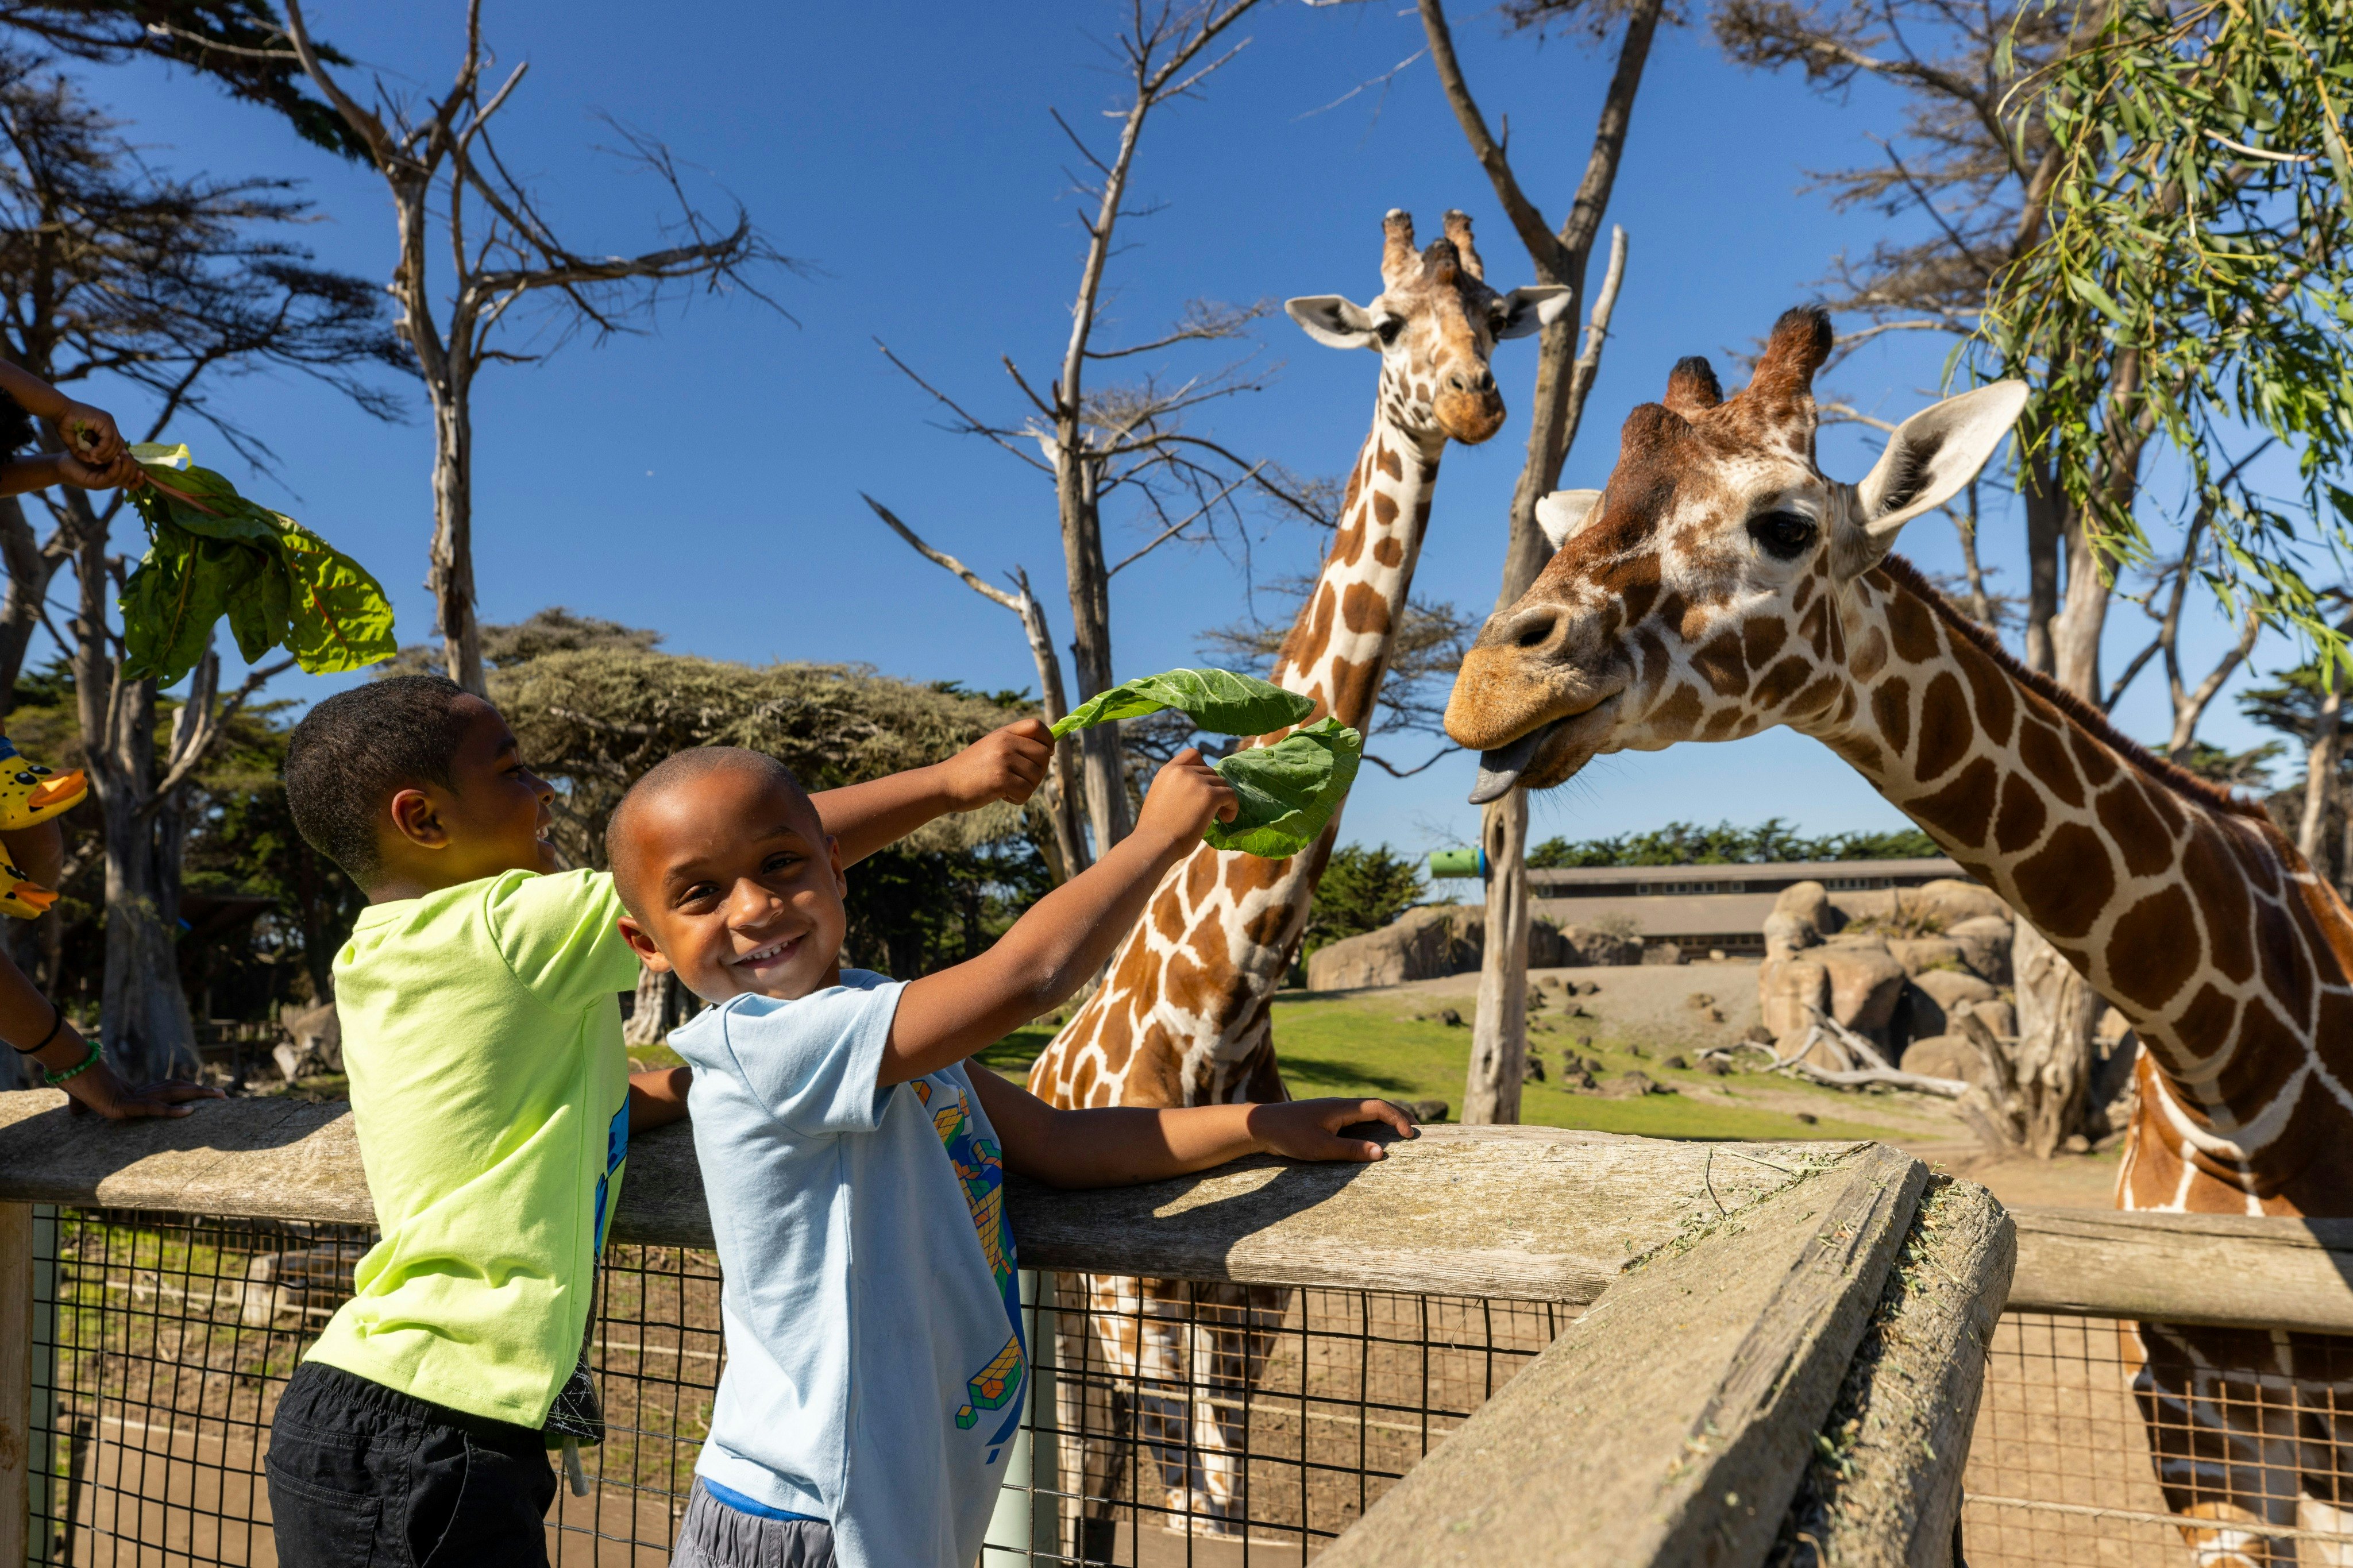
(713, 1535)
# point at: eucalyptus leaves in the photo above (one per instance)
(1288, 791)
(212, 553)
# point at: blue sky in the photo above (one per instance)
(704, 480)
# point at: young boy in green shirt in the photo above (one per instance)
(479, 995)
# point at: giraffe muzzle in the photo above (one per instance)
(1553, 752)
(1500, 769)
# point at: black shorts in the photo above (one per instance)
(362, 1475)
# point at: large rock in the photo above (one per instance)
(1787, 989)
(1809, 902)
(1938, 995)
(1950, 900)
(1582, 945)
(1945, 1056)
(1865, 982)
(1437, 940)
(1422, 943)
(1984, 942)
(1919, 954)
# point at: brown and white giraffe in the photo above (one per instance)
(1721, 585)
(1182, 1015)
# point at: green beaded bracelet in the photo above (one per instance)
(87, 1062)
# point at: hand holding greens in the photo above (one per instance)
(212, 552)
(1288, 791)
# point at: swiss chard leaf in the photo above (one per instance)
(212, 553)
(1288, 791)
(1216, 699)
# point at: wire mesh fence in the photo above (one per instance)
(1170, 1423)
(2100, 1442)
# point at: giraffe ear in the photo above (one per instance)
(1334, 321)
(1933, 454)
(1522, 310)
(1563, 513)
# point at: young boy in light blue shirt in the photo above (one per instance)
(854, 1161)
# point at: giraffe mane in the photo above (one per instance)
(2172, 776)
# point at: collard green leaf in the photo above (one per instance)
(1216, 699)
(1288, 791)
(213, 553)
(340, 618)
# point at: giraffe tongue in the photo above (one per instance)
(1500, 769)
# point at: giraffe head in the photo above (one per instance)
(1699, 597)
(1435, 322)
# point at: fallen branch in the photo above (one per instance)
(1839, 1036)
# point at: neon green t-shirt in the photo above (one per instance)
(483, 1034)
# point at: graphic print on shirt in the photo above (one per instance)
(980, 1171)
(616, 1149)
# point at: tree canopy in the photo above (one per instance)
(1689, 844)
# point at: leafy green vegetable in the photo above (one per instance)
(1288, 791)
(211, 553)
(1216, 699)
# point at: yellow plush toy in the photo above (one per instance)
(30, 793)
(25, 901)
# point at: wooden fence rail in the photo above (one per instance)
(1739, 1297)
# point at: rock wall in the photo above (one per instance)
(1438, 940)
(1897, 965)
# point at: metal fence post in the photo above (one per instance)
(15, 1380)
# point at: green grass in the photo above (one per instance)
(1375, 1048)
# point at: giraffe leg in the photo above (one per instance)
(1096, 1362)
(1234, 1333)
(2228, 1437)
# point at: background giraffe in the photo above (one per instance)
(1721, 585)
(1182, 1015)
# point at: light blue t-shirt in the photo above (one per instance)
(875, 1366)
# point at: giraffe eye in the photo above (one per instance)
(1785, 536)
(1388, 329)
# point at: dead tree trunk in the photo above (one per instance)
(1499, 1042)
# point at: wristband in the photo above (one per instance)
(87, 1062)
(57, 1022)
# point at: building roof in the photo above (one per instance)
(1706, 915)
(1926, 869)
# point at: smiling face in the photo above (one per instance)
(732, 883)
(1699, 596)
(1435, 324)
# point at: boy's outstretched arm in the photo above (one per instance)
(658, 1095)
(1005, 765)
(1065, 937)
(1120, 1146)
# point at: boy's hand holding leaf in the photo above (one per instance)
(1286, 792)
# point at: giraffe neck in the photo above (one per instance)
(1338, 650)
(2190, 913)
(1181, 1016)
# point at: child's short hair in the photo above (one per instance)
(679, 768)
(354, 751)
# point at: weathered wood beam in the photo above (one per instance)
(1532, 1214)
(1672, 1422)
(1886, 1488)
(2232, 1270)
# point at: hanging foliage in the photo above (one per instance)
(2190, 282)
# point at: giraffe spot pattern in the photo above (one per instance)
(1945, 733)
(2067, 881)
(1891, 709)
(1959, 812)
(1389, 550)
(1870, 655)
(1781, 681)
(1385, 509)
(1990, 693)
(2133, 827)
(1761, 638)
(1914, 627)
(2044, 756)
(1365, 610)
(1719, 661)
(2020, 819)
(2150, 952)
(1680, 711)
